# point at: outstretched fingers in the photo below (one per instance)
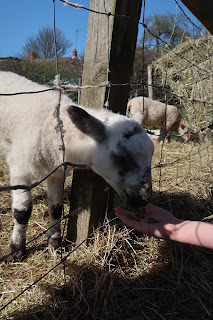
(155, 224)
(124, 215)
(159, 213)
(131, 219)
(154, 210)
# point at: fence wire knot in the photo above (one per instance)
(57, 81)
(192, 65)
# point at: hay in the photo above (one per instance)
(119, 274)
(187, 71)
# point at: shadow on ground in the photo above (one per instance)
(177, 287)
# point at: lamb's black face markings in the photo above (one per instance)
(129, 134)
(124, 161)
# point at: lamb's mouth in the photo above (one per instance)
(135, 202)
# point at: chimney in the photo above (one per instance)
(74, 54)
(32, 56)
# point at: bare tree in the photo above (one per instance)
(42, 44)
(166, 27)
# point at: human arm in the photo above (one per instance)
(162, 224)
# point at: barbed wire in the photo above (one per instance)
(140, 23)
(187, 17)
(65, 217)
(187, 67)
(143, 83)
(35, 184)
(60, 88)
(27, 92)
(74, 88)
(160, 164)
(57, 264)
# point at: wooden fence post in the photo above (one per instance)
(116, 36)
(150, 89)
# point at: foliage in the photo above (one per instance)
(37, 72)
(161, 29)
(43, 71)
(142, 59)
(187, 71)
(42, 45)
(168, 27)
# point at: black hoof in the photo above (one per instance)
(54, 243)
(17, 254)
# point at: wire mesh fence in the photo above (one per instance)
(184, 74)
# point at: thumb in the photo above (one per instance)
(122, 212)
(158, 212)
(154, 210)
(124, 215)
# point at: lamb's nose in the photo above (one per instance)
(146, 191)
(137, 202)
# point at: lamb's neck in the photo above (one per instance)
(81, 151)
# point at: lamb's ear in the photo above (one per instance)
(88, 124)
(139, 117)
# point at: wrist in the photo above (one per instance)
(173, 229)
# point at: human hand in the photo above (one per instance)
(160, 224)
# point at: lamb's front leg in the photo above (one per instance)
(164, 135)
(22, 208)
(55, 201)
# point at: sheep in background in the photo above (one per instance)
(154, 116)
(115, 147)
(154, 134)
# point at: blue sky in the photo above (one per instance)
(23, 18)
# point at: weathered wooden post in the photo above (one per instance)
(111, 42)
(150, 88)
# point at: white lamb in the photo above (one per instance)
(154, 134)
(154, 115)
(117, 148)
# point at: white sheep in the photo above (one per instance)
(154, 115)
(154, 134)
(117, 148)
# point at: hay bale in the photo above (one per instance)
(187, 71)
(119, 273)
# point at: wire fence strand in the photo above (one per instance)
(198, 75)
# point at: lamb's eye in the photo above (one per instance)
(124, 163)
(117, 160)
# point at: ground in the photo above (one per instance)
(117, 274)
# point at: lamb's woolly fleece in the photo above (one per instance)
(118, 150)
(154, 112)
(27, 127)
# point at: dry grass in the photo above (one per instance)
(190, 80)
(119, 274)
